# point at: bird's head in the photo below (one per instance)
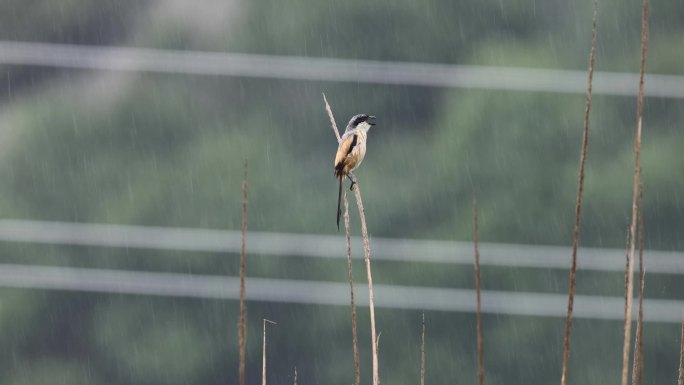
(361, 122)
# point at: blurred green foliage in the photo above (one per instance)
(168, 150)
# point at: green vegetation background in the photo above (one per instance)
(167, 150)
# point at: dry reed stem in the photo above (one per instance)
(242, 328)
(480, 339)
(377, 340)
(642, 283)
(263, 353)
(638, 363)
(635, 360)
(371, 304)
(295, 376)
(366, 251)
(422, 353)
(635, 197)
(332, 119)
(355, 338)
(627, 239)
(572, 280)
(680, 379)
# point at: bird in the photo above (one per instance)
(351, 151)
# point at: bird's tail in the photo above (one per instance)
(339, 202)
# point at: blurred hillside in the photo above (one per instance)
(146, 148)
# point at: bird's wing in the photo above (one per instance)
(346, 146)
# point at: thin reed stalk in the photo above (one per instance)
(355, 337)
(422, 352)
(371, 304)
(480, 338)
(332, 119)
(572, 280)
(635, 360)
(680, 379)
(263, 353)
(366, 251)
(635, 198)
(638, 363)
(627, 240)
(242, 328)
(295, 376)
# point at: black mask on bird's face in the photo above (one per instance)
(361, 120)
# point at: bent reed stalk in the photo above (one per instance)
(572, 280)
(366, 251)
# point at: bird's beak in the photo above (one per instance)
(369, 120)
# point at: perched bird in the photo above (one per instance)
(350, 152)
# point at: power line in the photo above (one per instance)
(324, 293)
(337, 70)
(327, 246)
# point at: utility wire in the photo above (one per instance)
(336, 70)
(326, 246)
(325, 293)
